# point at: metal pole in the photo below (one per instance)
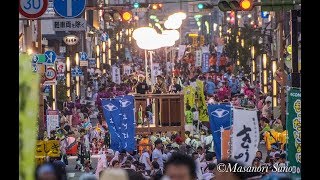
(146, 64)
(41, 126)
(151, 68)
(294, 40)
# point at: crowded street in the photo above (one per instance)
(160, 90)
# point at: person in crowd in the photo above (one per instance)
(208, 142)
(195, 157)
(175, 87)
(277, 125)
(267, 108)
(68, 106)
(160, 86)
(210, 87)
(157, 153)
(180, 166)
(189, 119)
(210, 173)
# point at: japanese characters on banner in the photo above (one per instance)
(198, 58)
(48, 148)
(116, 75)
(127, 70)
(182, 49)
(52, 120)
(293, 119)
(245, 136)
(225, 144)
(189, 96)
(168, 67)
(119, 114)
(156, 70)
(202, 104)
(220, 120)
(61, 69)
(205, 62)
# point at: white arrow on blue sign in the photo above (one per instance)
(35, 59)
(104, 37)
(69, 8)
(51, 57)
(83, 56)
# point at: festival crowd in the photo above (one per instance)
(83, 132)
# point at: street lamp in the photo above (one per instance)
(104, 57)
(265, 73)
(274, 84)
(98, 56)
(77, 77)
(68, 78)
(253, 65)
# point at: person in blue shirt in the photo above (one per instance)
(210, 87)
(234, 85)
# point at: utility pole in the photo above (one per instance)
(295, 47)
(281, 60)
(41, 127)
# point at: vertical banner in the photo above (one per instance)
(205, 62)
(168, 67)
(202, 103)
(245, 136)
(111, 112)
(198, 58)
(127, 123)
(182, 49)
(92, 63)
(294, 129)
(52, 120)
(116, 75)
(156, 70)
(189, 96)
(225, 144)
(127, 70)
(220, 120)
(28, 117)
(128, 54)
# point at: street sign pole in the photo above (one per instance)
(41, 127)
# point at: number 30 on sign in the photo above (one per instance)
(32, 9)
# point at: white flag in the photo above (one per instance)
(198, 58)
(127, 70)
(182, 49)
(245, 136)
(116, 75)
(155, 72)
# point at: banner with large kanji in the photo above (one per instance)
(293, 122)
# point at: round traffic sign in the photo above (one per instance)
(32, 9)
(50, 74)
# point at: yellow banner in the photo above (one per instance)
(49, 148)
(28, 114)
(202, 104)
(189, 96)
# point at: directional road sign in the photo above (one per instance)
(76, 71)
(51, 57)
(69, 8)
(32, 9)
(83, 56)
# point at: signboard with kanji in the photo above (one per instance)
(49, 148)
(77, 24)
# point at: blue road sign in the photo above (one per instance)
(76, 71)
(83, 56)
(69, 8)
(104, 37)
(51, 57)
(35, 59)
(34, 67)
(264, 14)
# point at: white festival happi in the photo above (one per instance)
(245, 136)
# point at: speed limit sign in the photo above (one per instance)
(50, 74)
(32, 9)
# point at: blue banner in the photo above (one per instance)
(119, 114)
(127, 122)
(205, 62)
(220, 118)
(111, 112)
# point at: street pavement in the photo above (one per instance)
(75, 174)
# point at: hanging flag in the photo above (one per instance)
(202, 104)
(220, 118)
(116, 75)
(225, 144)
(205, 62)
(182, 49)
(245, 136)
(127, 70)
(294, 130)
(156, 70)
(128, 54)
(189, 96)
(127, 133)
(111, 112)
(198, 58)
